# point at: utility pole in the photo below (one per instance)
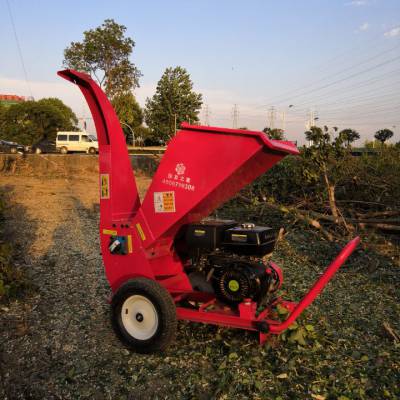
(283, 121)
(311, 122)
(311, 118)
(271, 117)
(235, 116)
(206, 115)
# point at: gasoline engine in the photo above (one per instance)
(230, 260)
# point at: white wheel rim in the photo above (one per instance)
(139, 317)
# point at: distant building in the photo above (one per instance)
(9, 99)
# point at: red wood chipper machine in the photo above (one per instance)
(164, 261)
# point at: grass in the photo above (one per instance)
(346, 353)
(12, 279)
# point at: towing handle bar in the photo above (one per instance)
(317, 288)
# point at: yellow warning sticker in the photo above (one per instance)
(164, 202)
(129, 243)
(104, 186)
(109, 232)
(140, 231)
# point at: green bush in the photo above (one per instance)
(368, 178)
(12, 279)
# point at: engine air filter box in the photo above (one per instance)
(207, 235)
(249, 239)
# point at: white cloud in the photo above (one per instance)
(357, 3)
(363, 27)
(393, 32)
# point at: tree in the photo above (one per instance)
(104, 54)
(32, 121)
(144, 136)
(275, 133)
(129, 113)
(383, 135)
(70, 120)
(324, 157)
(349, 135)
(174, 102)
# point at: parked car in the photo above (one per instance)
(44, 146)
(11, 147)
(76, 141)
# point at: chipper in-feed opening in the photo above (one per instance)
(163, 260)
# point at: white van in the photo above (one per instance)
(76, 141)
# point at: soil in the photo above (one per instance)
(56, 340)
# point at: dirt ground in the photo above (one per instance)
(49, 337)
(56, 342)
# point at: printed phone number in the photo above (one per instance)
(178, 184)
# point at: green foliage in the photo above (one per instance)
(105, 54)
(383, 135)
(174, 102)
(129, 113)
(275, 133)
(69, 116)
(373, 178)
(32, 121)
(367, 178)
(349, 135)
(144, 136)
(325, 153)
(299, 332)
(12, 279)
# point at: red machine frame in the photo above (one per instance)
(202, 168)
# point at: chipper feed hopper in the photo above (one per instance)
(163, 259)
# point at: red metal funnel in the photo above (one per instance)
(203, 167)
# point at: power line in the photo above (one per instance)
(337, 57)
(19, 48)
(367, 105)
(352, 101)
(368, 84)
(374, 111)
(344, 79)
(351, 67)
(346, 69)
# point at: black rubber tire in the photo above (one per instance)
(64, 150)
(92, 150)
(166, 313)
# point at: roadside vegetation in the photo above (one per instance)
(12, 278)
(332, 191)
(30, 122)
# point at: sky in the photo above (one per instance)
(280, 62)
